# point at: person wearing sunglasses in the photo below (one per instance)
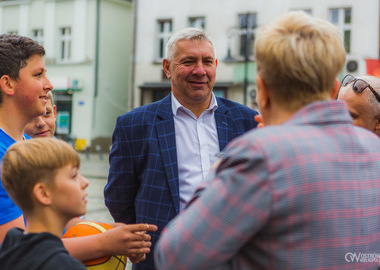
(301, 193)
(363, 101)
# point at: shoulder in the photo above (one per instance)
(57, 257)
(235, 107)
(148, 111)
(11, 237)
(5, 142)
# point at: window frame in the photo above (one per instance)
(164, 33)
(250, 30)
(65, 44)
(345, 28)
(197, 22)
(38, 35)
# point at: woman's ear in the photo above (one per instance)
(262, 95)
(335, 90)
(42, 194)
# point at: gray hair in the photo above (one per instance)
(190, 33)
(372, 101)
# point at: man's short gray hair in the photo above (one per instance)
(190, 33)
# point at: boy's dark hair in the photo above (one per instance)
(27, 163)
(15, 50)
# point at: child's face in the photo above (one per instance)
(43, 126)
(32, 87)
(69, 192)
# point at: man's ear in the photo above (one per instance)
(377, 126)
(7, 85)
(42, 194)
(262, 95)
(166, 66)
(335, 90)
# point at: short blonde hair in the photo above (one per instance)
(298, 58)
(27, 163)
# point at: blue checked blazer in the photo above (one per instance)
(143, 177)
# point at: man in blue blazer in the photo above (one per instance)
(162, 151)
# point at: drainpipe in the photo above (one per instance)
(133, 56)
(96, 62)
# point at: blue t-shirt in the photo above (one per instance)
(8, 209)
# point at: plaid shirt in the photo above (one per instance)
(301, 195)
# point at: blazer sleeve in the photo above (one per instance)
(121, 188)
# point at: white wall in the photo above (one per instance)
(88, 120)
(221, 16)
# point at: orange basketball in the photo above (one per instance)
(89, 228)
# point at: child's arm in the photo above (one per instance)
(18, 222)
(122, 240)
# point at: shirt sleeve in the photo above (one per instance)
(8, 209)
(229, 211)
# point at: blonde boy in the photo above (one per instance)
(24, 88)
(41, 177)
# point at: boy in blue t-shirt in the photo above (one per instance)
(24, 87)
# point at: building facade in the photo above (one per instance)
(104, 57)
(88, 51)
(232, 26)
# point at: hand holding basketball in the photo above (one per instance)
(85, 228)
(118, 240)
(130, 239)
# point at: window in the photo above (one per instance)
(342, 18)
(65, 44)
(163, 35)
(38, 36)
(247, 30)
(198, 22)
(220, 92)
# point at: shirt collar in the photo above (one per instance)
(176, 105)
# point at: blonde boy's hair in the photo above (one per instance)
(27, 163)
(298, 58)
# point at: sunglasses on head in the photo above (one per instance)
(359, 85)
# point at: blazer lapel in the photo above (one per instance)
(223, 124)
(167, 143)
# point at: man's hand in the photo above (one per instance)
(136, 258)
(129, 239)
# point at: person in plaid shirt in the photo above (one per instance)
(303, 192)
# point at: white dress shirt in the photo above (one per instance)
(197, 146)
